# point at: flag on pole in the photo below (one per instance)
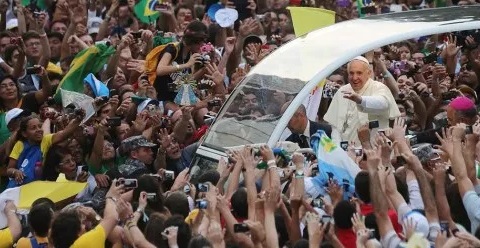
(307, 19)
(34, 4)
(312, 102)
(145, 11)
(90, 60)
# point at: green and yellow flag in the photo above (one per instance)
(35, 4)
(307, 19)
(90, 60)
(145, 11)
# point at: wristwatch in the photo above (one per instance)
(299, 174)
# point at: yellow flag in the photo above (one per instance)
(308, 19)
(53, 190)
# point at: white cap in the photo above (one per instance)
(12, 23)
(361, 58)
(12, 114)
(93, 25)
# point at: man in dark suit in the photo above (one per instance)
(303, 129)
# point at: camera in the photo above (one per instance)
(85, 168)
(240, 228)
(317, 203)
(186, 189)
(201, 204)
(169, 175)
(151, 196)
(203, 187)
(114, 121)
(128, 183)
(358, 152)
(373, 124)
(214, 103)
(113, 92)
(33, 70)
(137, 35)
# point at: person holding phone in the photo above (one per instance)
(361, 101)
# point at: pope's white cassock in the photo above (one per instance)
(346, 116)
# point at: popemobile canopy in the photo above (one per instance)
(297, 67)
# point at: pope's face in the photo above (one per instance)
(358, 74)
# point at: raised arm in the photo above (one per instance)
(68, 131)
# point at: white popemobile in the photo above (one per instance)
(297, 67)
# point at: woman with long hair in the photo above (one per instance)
(27, 156)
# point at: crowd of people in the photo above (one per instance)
(406, 115)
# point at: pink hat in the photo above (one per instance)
(462, 103)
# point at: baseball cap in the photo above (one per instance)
(135, 142)
(93, 25)
(12, 23)
(15, 113)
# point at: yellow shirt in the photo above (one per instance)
(6, 238)
(25, 242)
(93, 238)
(44, 146)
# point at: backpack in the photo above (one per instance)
(35, 244)
(152, 59)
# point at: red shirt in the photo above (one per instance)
(367, 209)
(347, 237)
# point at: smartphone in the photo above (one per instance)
(170, 175)
(114, 121)
(326, 219)
(371, 234)
(413, 140)
(33, 70)
(203, 187)
(240, 228)
(201, 204)
(129, 183)
(137, 35)
(358, 152)
(113, 92)
(468, 130)
(85, 168)
(186, 189)
(373, 124)
(151, 196)
(346, 185)
(344, 145)
(317, 203)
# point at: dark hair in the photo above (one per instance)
(150, 184)
(343, 213)
(195, 33)
(19, 96)
(199, 242)
(5, 34)
(213, 31)
(362, 186)
(177, 203)
(24, 125)
(65, 229)
(239, 203)
(8, 53)
(52, 162)
(154, 226)
(184, 233)
(44, 200)
(301, 243)
(211, 176)
(39, 219)
(30, 35)
(371, 223)
(182, 6)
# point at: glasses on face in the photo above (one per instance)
(7, 85)
(32, 44)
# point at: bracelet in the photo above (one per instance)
(271, 162)
(139, 210)
(111, 198)
(273, 167)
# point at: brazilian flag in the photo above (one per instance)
(35, 5)
(145, 11)
(89, 60)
